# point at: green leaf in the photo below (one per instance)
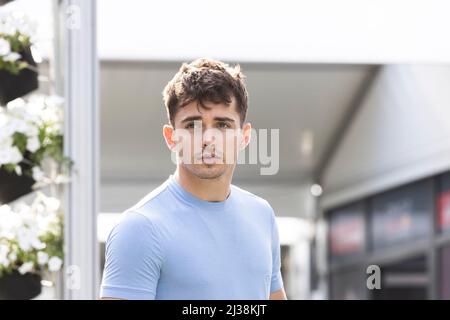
(20, 141)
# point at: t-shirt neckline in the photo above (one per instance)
(189, 197)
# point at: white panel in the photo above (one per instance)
(346, 31)
(82, 146)
(364, 31)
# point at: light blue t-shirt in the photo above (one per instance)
(173, 245)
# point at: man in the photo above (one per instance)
(197, 236)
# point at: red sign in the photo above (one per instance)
(444, 209)
(347, 236)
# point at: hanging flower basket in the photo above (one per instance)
(30, 137)
(16, 286)
(31, 246)
(18, 83)
(18, 69)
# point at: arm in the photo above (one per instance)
(278, 295)
(276, 288)
(133, 260)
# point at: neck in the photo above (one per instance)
(213, 190)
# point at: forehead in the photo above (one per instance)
(212, 110)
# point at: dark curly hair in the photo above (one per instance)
(206, 80)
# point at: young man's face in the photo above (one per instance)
(208, 139)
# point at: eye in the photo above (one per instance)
(193, 125)
(223, 125)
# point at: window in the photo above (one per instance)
(401, 215)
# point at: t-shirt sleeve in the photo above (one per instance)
(276, 280)
(133, 259)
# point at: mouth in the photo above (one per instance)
(210, 158)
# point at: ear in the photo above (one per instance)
(168, 133)
(246, 135)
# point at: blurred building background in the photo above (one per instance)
(363, 108)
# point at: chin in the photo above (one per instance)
(204, 171)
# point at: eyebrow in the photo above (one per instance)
(224, 119)
(191, 118)
(194, 118)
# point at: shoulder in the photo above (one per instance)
(252, 198)
(152, 200)
(257, 203)
(149, 219)
(134, 228)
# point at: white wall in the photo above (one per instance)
(365, 31)
(400, 134)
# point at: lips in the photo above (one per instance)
(215, 154)
(208, 155)
(210, 158)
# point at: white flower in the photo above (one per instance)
(54, 264)
(7, 129)
(12, 256)
(18, 125)
(10, 222)
(42, 258)
(16, 103)
(3, 250)
(4, 255)
(5, 262)
(20, 22)
(5, 47)
(3, 118)
(6, 141)
(32, 130)
(33, 144)
(38, 174)
(15, 155)
(18, 170)
(38, 244)
(26, 267)
(21, 229)
(4, 155)
(52, 204)
(25, 238)
(55, 128)
(28, 234)
(7, 28)
(10, 155)
(12, 56)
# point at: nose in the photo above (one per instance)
(208, 138)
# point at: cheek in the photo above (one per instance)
(230, 145)
(196, 139)
(186, 143)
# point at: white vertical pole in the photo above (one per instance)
(82, 145)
